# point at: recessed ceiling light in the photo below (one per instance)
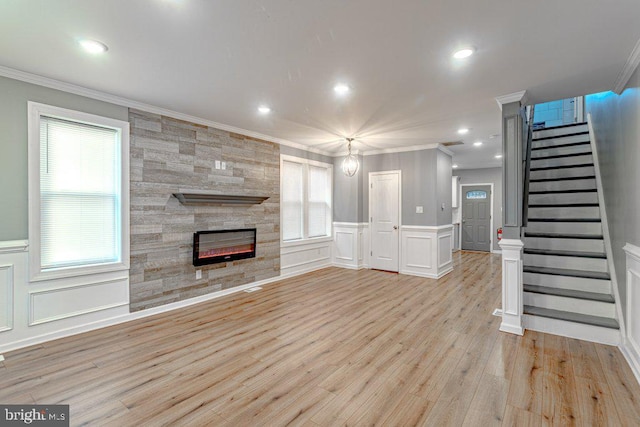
(454, 166)
(93, 46)
(263, 109)
(477, 143)
(463, 53)
(341, 89)
(498, 156)
(462, 131)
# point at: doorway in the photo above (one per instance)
(477, 217)
(384, 219)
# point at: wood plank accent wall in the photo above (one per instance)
(169, 155)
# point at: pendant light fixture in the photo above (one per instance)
(350, 163)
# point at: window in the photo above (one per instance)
(306, 195)
(476, 194)
(78, 193)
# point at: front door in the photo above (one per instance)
(384, 213)
(476, 218)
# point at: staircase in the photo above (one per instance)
(567, 283)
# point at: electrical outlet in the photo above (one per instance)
(217, 163)
(419, 209)
(223, 165)
(198, 274)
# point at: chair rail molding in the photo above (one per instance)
(631, 340)
(512, 275)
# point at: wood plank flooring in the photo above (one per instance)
(333, 347)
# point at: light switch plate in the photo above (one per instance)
(198, 274)
(223, 165)
(217, 164)
(419, 209)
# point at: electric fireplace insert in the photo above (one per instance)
(214, 246)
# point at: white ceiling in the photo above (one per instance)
(219, 60)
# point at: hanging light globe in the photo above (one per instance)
(350, 163)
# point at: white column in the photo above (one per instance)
(512, 305)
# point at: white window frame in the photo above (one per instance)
(35, 111)
(305, 200)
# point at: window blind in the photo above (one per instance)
(318, 196)
(292, 200)
(79, 194)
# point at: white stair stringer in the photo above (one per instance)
(567, 286)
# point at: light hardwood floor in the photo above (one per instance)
(334, 347)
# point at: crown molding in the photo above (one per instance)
(402, 149)
(627, 71)
(130, 103)
(511, 97)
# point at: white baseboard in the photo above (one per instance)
(633, 359)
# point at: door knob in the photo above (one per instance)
(395, 227)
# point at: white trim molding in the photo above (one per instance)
(350, 245)
(631, 340)
(627, 71)
(512, 274)
(426, 251)
(12, 246)
(511, 97)
(606, 234)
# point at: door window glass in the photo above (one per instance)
(476, 194)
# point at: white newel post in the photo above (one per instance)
(512, 305)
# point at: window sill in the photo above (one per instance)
(301, 242)
(69, 272)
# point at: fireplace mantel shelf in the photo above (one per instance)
(217, 199)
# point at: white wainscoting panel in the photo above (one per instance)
(6, 297)
(426, 251)
(350, 245)
(631, 342)
(304, 256)
(41, 311)
(512, 308)
(49, 305)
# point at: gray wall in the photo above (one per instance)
(421, 171)
(443, 185)
(486, 176)
(14, 95)
(347, 193)
(616, 123)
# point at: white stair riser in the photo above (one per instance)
(593, 308)
(565, 227)
(560, 131)
(541, 199)
(572, 329)
(562, 161)
(578, 184)
(561, 151)
(559, 141)
(565, 212)
(562, 173)
(587, 245)
(568, 262)
(568, 282)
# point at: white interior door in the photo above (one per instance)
(384, 216)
